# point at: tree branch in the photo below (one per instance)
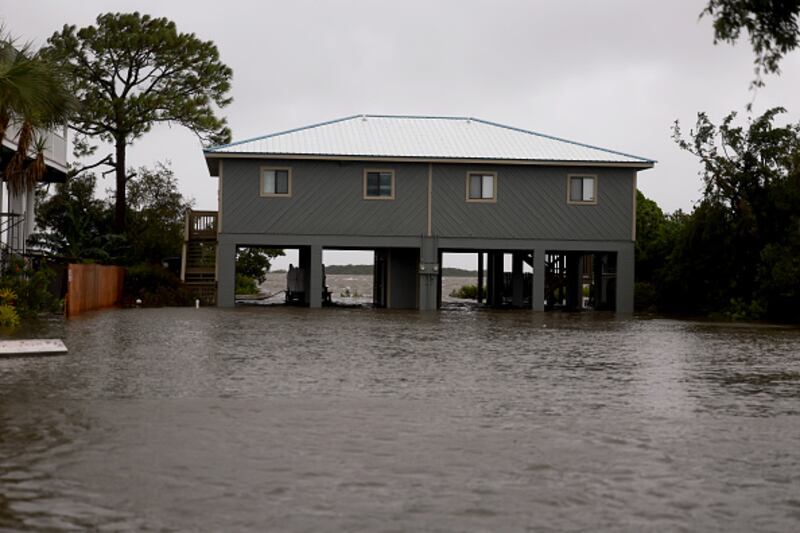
(107, 160)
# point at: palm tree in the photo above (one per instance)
(34, 96)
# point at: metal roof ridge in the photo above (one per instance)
(428, 117)
(561, 139)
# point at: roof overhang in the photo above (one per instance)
(213, 158)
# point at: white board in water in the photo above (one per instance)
(32, 346)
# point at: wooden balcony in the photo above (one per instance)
(201, 225)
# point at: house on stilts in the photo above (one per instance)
(411, 188)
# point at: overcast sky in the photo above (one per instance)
(614, 73)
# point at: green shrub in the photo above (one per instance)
(742, 310)
(155, 286)
(30, 289)
(467, 292)
(9, 318)
(246, 285)
(644, 296)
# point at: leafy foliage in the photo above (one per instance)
(772, 26)
(130, 72)
(156, 214)
(79, 227)
(30, 289)
(155, 286)
(245, 284)
(9, 318)
(467, 292)
(738, 252)
(255, 262)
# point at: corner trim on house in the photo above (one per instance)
(219, 198)
(430, 199)
(633, 217)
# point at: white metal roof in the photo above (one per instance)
(422, 137)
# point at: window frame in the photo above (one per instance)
(596, 181)
(389, 171)
(263, 194)
(493, 199)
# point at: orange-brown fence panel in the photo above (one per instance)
(92, 287)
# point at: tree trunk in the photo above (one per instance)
(121, 204)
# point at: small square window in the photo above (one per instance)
(276, 182)
(582, 189)
(379, 184)
(481, 187)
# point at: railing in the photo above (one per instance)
(201, 225)
(199, 257)
(11, 241)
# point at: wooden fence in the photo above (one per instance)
(92, 287)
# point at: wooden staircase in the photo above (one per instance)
(199, 258)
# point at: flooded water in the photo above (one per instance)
(367, 420)
(352, 289)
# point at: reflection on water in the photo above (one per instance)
(353, 419)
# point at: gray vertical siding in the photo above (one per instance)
(327, 199)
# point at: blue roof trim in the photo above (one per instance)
(432, 117)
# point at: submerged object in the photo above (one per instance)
(32, 346)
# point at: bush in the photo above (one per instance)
(155, 286)
(644, 296)
(9, 318)
(246, 285)
(467, 292)
(30, 289)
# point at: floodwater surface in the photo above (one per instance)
(371, 420)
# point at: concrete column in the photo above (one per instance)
(304, 263)
(379, 278)
(516, 277)
(538, 280)
(490, 279)
(498, 268)
(625, 276)
(428, 274)
(439, 280)
(480, 277)
(226, 274)
(314, 286)
(599, 296)
(574, 289)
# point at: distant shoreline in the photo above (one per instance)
(366, 270)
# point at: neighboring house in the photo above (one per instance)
(17, 216)
(413, 187)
